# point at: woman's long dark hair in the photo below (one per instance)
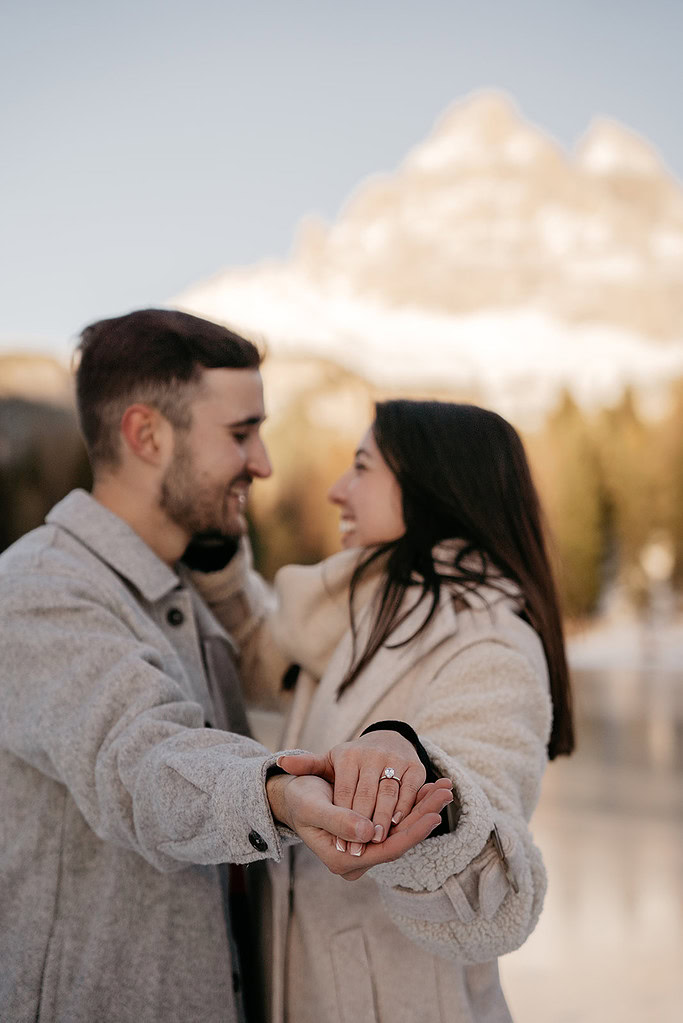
(463, 474)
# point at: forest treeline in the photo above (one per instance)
(611, 482)
(612, 485)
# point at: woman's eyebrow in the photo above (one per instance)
(362, 451)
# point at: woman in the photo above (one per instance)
(440, 612)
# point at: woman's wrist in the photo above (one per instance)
(409, 733)
(451, 813)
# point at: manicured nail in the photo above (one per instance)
(340, 844)
(396, 819)
(379, 833)
(355, 848)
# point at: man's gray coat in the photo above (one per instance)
(115, 801)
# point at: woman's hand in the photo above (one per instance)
(305, 805)
(433, 797)
(357, 771)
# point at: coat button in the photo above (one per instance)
(258, 843)
(175, 616)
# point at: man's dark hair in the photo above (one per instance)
(154, 356)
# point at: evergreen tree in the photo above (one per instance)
(632, 460)
(567, 471)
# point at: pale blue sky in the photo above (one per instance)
(146, 145)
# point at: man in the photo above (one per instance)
(124, 778)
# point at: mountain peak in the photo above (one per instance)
(491, 107)
(484, 128)
(609, 148)
(487, 214)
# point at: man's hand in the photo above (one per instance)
(356, 770)
(305, 804)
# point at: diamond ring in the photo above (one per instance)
(390, 773)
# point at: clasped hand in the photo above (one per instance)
(343, 806)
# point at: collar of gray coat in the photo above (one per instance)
(115, 543)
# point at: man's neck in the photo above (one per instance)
(145, 517)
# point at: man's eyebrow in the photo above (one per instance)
(251, 421)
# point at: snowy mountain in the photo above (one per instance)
(491, 263)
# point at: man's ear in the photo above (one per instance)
(146, 433)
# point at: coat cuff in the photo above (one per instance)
(259, 836)
(478, 890)
(428, 865)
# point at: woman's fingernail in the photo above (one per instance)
(379, 833)
(340, 844)
(355, 848)
(396, 819)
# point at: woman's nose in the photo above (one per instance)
(337, 491)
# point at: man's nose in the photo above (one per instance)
(258, 462)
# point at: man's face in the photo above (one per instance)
(205, 487)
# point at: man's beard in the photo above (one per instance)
(197, 507)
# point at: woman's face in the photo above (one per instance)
(369, 499)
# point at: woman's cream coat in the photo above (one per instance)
(417, 938)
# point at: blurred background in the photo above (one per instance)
(481, 204)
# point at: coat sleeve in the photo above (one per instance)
(249, 609)
(298, 620)
(87, 703)
(477, 893)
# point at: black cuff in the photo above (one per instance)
(210, 553)
(448, 819)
